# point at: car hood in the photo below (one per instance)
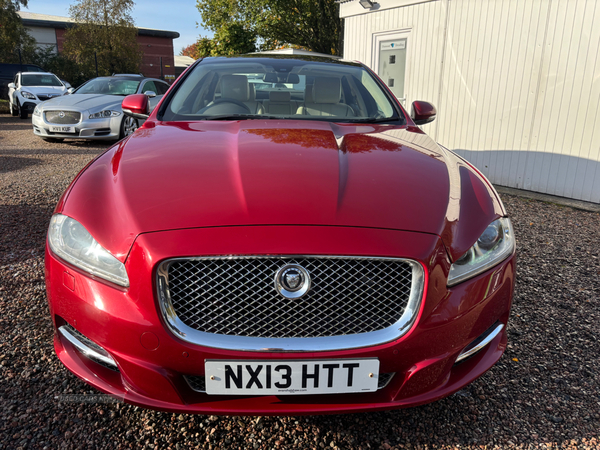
(85, 102)
(44, 89)
(214, 173)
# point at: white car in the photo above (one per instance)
(30, 88)
(93, 110)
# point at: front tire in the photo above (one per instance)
(128, 126)
(22, 112)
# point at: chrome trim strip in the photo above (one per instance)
(314, 344)
(485, 341)
(87, 351)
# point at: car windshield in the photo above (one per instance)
(40, 80)
(109, 86)
(248, 88)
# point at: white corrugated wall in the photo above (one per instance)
(516, 84)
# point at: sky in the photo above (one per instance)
(171, 15)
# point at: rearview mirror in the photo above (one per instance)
(11, 85)
(136, 105)
(150, 94)
(422, 112)
(71, 90)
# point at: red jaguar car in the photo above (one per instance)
(280, 238)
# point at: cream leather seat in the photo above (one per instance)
(326, 93)
(236, 87)
(280, 102)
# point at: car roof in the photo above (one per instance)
(129, 77)
(37, 73)
(263, 58)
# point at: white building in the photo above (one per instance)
(516, 82)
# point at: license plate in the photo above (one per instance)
(56, 129)
(291, 377)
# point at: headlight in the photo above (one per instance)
(72, 242)
(36, 111)
(104, 114)
(28, 95)
(495, 244)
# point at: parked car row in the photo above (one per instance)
(92, 111)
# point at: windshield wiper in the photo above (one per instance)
(373, 120)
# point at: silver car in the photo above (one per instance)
(93, 110)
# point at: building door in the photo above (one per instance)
(390, 59)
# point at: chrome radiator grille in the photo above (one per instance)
(236, 296)
(68, 117)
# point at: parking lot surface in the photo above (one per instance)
(544, 392)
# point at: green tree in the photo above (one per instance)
(103, 30)
(230, 39)
(61, 66)
(13, 35)
(311, 24)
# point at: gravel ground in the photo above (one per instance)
(543, 393)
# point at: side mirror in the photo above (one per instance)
(70, 90)
(136, 106)
(422, 112)
(150, 94)
(67, 84)
(11, 86)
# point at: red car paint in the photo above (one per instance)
(286, 187)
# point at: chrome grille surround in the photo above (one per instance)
(391, 327)
(70, 117)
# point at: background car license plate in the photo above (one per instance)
(56, 129)
(294, 377)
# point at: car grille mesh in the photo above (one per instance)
(70, 117)
(44, 97)
(237, 297)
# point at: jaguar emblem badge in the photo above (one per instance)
(61, 114)
(292, 281)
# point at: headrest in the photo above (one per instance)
(308, 94)
(327, 90)
(293, 78)
(280, 96)
(235, 87)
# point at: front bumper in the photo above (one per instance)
(152, 362)
(95, 129)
